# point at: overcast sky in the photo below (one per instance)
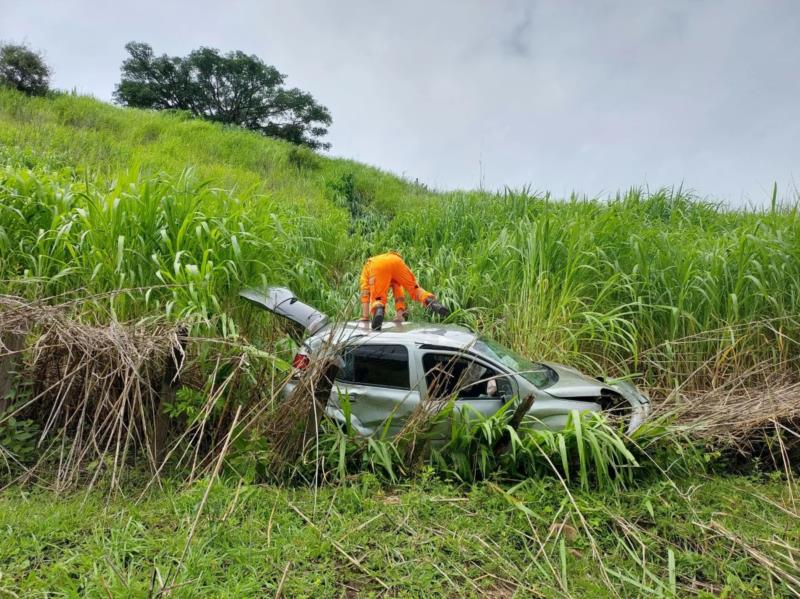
(562, 96)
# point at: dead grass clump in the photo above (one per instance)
(734, 416)
(100, 387)
(94, 391)
(733, 400)
(755, 412)
(105, 397)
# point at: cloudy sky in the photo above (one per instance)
(589, 97)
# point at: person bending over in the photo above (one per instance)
(389, 270)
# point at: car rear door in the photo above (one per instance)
(376, 378)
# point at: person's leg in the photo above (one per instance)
(403, 277)
(364, 292)
(379, 280)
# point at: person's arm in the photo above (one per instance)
(364, 291)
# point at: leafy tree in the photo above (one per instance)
(24, 69)
(234, 88)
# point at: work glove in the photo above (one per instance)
(437, 308)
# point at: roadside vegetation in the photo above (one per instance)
(102, 199)
(717, 537)
(125, 236)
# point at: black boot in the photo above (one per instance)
(438, 308)
(377, 318)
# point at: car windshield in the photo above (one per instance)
(540, 375)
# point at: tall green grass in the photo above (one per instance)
(136, 214)
(608, 281)
(181, 213)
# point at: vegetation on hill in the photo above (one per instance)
(100, 199)
(232, 88)
(24, 69)
(112, 215)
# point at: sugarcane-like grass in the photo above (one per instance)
(130, 233)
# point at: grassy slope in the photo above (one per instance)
(97, 198)
(428, 539)
(229, 174)
(583, 281)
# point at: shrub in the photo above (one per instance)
(24, 69)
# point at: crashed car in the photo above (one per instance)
(387, 374)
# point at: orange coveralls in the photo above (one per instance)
(388, 270)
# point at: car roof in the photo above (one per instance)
(448, 335)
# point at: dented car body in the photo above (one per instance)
(385, 375)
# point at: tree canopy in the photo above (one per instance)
(233, 88)
(24, 69)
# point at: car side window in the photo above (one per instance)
(447, 375)
(381, 365)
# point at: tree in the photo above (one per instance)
(233, 88)
(24, 69)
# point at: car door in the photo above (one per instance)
(376, 379)
(469, 380)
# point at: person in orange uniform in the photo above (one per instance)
(389, 270)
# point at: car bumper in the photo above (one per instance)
(638, 401)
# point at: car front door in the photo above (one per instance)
(469, 381)
(376, 379)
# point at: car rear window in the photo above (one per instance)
(382, 365)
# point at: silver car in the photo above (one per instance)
(387, 374)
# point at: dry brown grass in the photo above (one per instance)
(97, 393)
(736, 409)
(295, 426)
(734, 414)
(94, 390)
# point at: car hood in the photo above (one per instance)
(574, 384)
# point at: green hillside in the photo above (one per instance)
(100, 198)
(152, 219)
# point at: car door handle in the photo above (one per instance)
(353, 396)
